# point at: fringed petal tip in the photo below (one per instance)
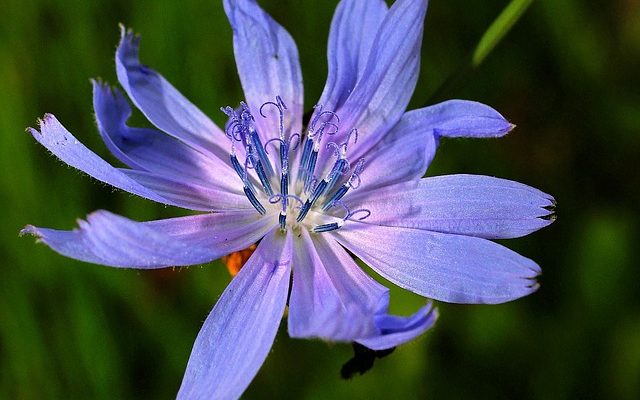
(45, 119)
(528, 282)
(248, 7)
(534, 285)
(550, 215)
(99, 83)
(128, 34)
(31, 231)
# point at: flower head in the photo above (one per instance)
(350, 178)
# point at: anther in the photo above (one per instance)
(337, 225)
(254, 201)
(317, 192)
(349, 184)
(257, 165)
(254, 145)
(327, 227)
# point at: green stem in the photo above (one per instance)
(498, 29)
(489, 40)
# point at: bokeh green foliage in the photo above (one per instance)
(567, 75)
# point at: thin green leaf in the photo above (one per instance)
(498, 29)
(489, 40)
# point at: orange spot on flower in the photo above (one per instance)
(236, 260)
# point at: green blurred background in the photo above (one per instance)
(567, 75)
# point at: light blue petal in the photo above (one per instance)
(473, 205)
(445, 267)
(382, 93)
(380, 97)
(151, 150)
(190, 195)
(268, 65)
(109, 239)
(163, 105)
(462, 118)
(403, 154)
(353, 29)
(332, 298)
(61, 143)
(238, 333)
(180, 193)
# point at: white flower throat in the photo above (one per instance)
(314, 189)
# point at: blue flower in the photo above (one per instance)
(350, 178)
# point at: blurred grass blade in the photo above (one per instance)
(489, 40)
(498, 29)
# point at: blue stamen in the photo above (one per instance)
(236, 166)
(303, 211)
(312, 144)
(339, 194)
(339, 168)
(304, 161)
(349, 215)
(261, 153)
(328, 227)
(251, 162)
(254, 201)
(263, 178)
(317, 192)
(349, 184)
(282, 219)
(284, 184)
(311, 166)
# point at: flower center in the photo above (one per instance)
(305, 198)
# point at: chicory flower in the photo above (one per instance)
(350, 178)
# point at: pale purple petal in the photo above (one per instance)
(190, 195)
(382, 93)
(445, 267)
(353, 29)
(222, 233)
(396, 330)
(163, 105)
(109, 239)
(152, 150)
(463, 118)
(474, 205)
(407, 150)
(332, 298)
(268, 65)
(401, 155)
(67, 148)
(112, 112)
(237, 336)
